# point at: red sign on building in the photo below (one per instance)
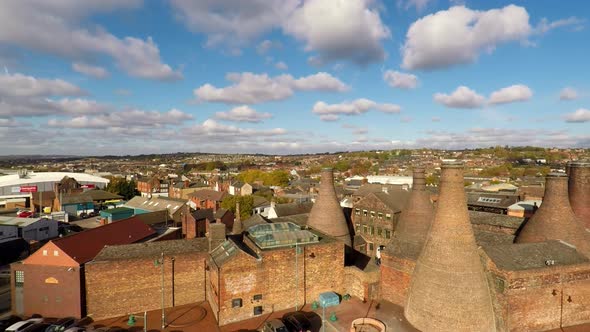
(28, 189)
(87, 186)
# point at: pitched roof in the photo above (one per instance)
(220, 213)
(101, 195)
(368, 188)
(491, 200)
(254, 220)
(208, 194)
(151, 249)
(154, 217)
(85, 245)
(203, 214)
(259, 201)
(289, 209)
(156, 203)
(75, 198)
(396, 200)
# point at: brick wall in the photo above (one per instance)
(542, 299)
(377, 229)
(360, 284)
(396, 274)
(278, 278)
(131, 286)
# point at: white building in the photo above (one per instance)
(29, 229)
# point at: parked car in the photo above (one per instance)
(25, 214)
(6, 322)
(297, 322)
(274, 325)
(39, 327)
(22, 325)
(62, 324)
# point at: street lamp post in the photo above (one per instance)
(160, 261)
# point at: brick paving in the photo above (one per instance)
(199, 318)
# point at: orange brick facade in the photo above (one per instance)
(138, 284)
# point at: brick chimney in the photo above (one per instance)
(415, 219)
(555, 219)
(449, 290)
(326, 214)
(579, 190)
(237, 227)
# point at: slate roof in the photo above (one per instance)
(75, 198)
(154, 217)
(502, 201)
(526, 256)
(220, 213)
(254, 220)
(289, 209)
(299, 219)
(208, 194)
(495, 219)
(156, 203)
(152, 249)
(396, 200)
(259, 201)
(101, 195)
(368, 188)
(203, 214)
(84, 246)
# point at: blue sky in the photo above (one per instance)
(291, 76)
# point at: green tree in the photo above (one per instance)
(120, 186)
(246, 205)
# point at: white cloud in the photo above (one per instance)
(281, 65)
(131, 118)
(568, 93)
(545, 26)
(579, 116)
(54, 27)
(418, 4)
(94, 71)
(458, 35)
(339, 30)
(249, 88)
(511, 94)
(266, 45)
(462, 97)
(400, 80)
(79, 106)
(18, 85)
(243, 114)
(330, 112)
(231, 22)
(213, 129)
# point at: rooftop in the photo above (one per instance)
(32, 177)
(151, 249)
(16, 221)
(280, 234)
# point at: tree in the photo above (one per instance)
(246, 205)
(120, 186)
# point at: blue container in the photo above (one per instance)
(329, 299)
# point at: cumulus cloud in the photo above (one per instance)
(579, 116)
(213, 129)
(462, 97)
(400, 80)
(53, 27)
(331, 112)
(18, 85)
(418, 4)
(319, 24)
(94, 71)
(125, 119)
(281, 65)
(230, 22)
(458, 35)
(250, 88)
(511, 94)
(568, 93)
(243, 114)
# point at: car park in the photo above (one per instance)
(274, 325)
(62, 324)
(22, 325)
(297, 322)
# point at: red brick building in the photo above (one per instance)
(197, 225)
(50, 282)
(124, 278)
(262, 274)
(207, 199)
(153, 186)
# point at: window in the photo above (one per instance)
(58, 299)
(257, 297)
(19, 278)
(388, 216)
(365, 229)
(258, 310)
(380, 215)
(365, 213)
(372, 230)
(371, 247)
(55, 253)
(44, 252)
(357, 228)
(387, 234)
(45, 299)
(372, 214)
(357, 212)
(379, 231)
(236, 303)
